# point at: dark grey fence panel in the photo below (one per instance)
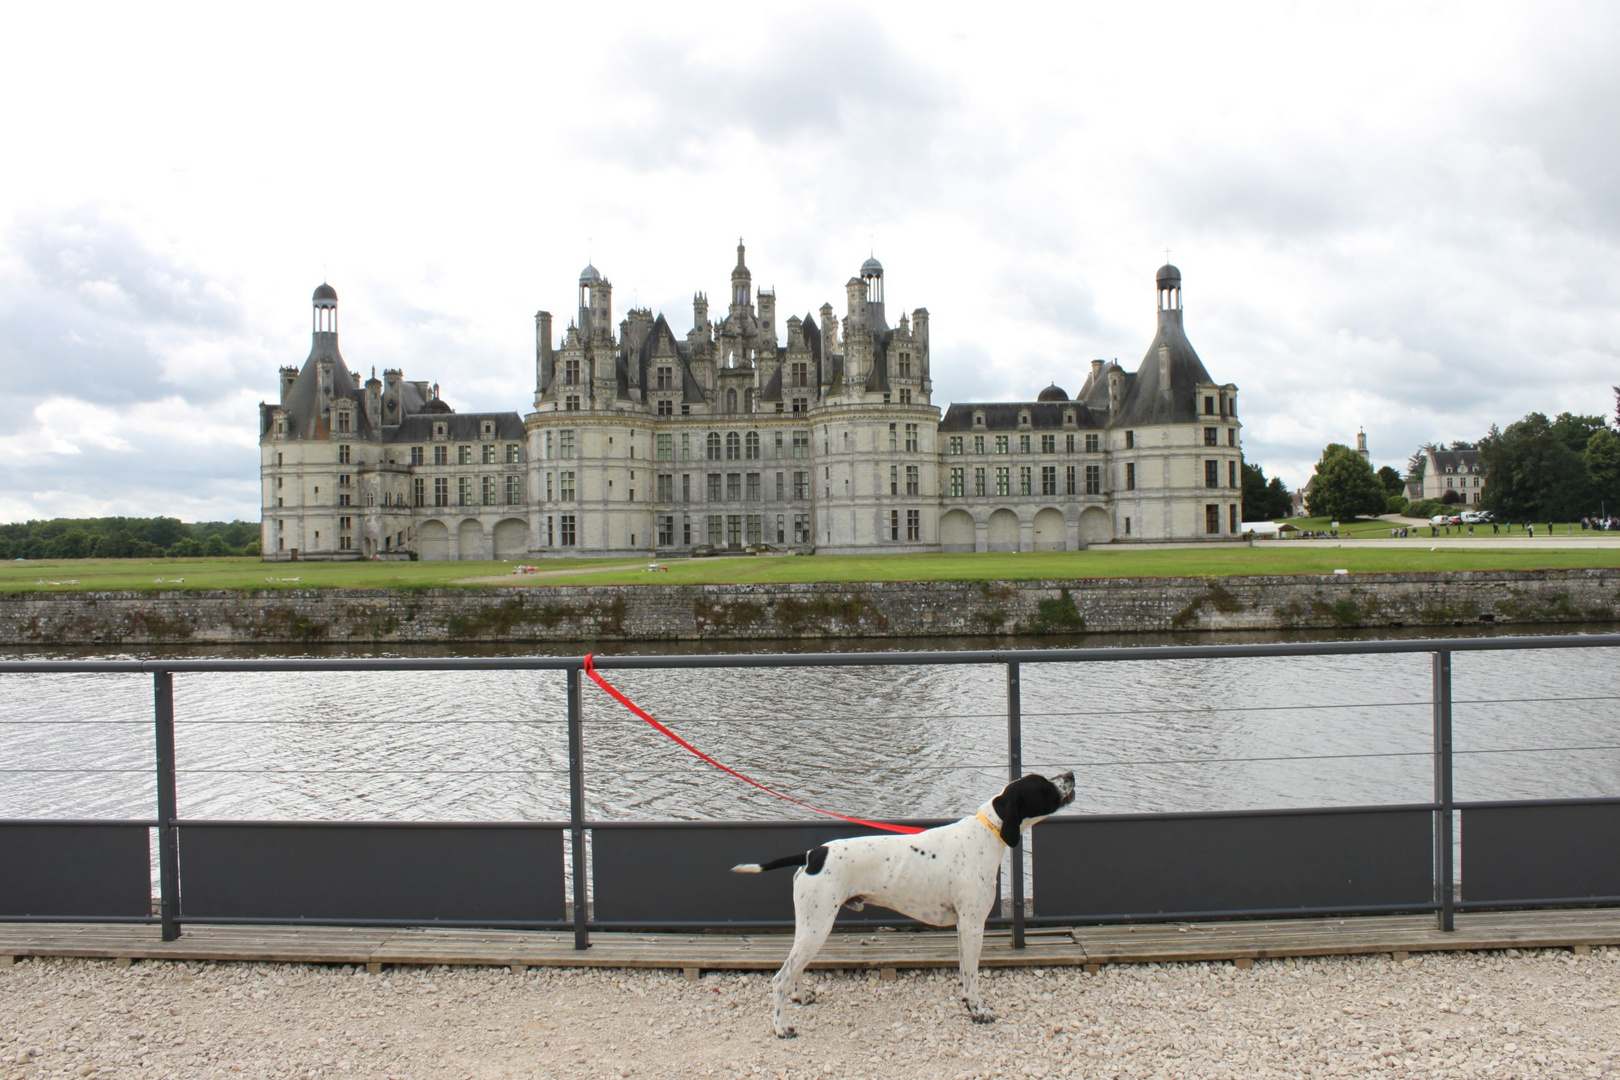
(75, 870)
(1541, 852)
(681, 872)
(1116, 865)
(459, 872)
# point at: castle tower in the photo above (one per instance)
(741, 283)
(1169, 279)
(872, 275)
(325, 313)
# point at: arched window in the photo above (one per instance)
(748, 400)
(751, 444)
(714, 446)
(731, 401)
(733, 446)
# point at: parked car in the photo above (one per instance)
(1472, 517)
(1440, 519)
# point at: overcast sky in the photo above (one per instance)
(1403, 217)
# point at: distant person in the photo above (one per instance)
(1531, 530)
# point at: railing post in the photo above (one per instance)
(1015, 769)
(1442, 790)
(576, 807)
(168, 845)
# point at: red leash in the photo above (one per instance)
(590, 669)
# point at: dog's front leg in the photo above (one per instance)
(970, 939)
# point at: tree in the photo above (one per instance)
(1262, 500)
(1393, 484)
(1345, 486)
(1536, 469)
(1602, 460)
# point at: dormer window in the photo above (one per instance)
(1068, 419)
(978, 419)
(439, 429)
(1023, 419)
(489, 429)
(343, 420)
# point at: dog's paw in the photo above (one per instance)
(979, 1014)
(786, 1033)
(804, 997)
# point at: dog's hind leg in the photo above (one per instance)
(970, 940)
(813, 922)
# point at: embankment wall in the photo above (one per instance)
(876, 610)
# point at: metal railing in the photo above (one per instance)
(1393, 824)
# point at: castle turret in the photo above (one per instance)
(741, 282)
(542, 351)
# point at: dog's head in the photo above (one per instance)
(1030, 800)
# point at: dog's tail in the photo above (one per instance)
(775, 864)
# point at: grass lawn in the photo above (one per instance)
(1307, 558)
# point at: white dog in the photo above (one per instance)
(942, 877)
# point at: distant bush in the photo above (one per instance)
(126, 538)
(1397, 504)
(1427, 508)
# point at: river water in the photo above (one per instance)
(880, 741)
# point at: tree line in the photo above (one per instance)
(1537, 469)
(126, 538)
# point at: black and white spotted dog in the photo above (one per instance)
(943, 877)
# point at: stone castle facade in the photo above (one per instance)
(817, 433)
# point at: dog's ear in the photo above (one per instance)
(1008, 807)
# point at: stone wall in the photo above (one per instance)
(879, 609)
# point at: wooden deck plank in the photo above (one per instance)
(864, 950)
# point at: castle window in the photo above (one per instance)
(801, 373)
(751, 446)
(733, 446)
(1212, 474)
(1212, 519)
(439, 430)
(801, 485)
(905, 395)
(345, 480)
(488, 429)
(513, 453)
(566, 536)
(731, 401)
(1003, 443)
(978, 482)
(1048, 479)
(666, 407)
(894, 524)
(1003, 480)
(417, 456)
(665, 489)
(958, 482)
(464, 491)
(1209, 410)
(565, 486)
(1093, 479)
(1023, 444)
(1025, 480)
(666, 378)
(1231, 436)
(571, 403)
(1094, 442)
(913, 524)
(712, 446)
(911, 438)
(571, 371)
(463, 455)
(713, 486)
(419, 492)
(954, 445)
(801, 444)
(801, 405)
(665, 448)
(733, 487)
(1048, 444)
(753, 489)
(1023, 419)
(1068, 479)
(565, 444)
(978, 444)
(1130, 476)
(904, 365)
(343, 453)
(666, 530)
(514, 490)
(1130, 440)
(441, 491)
(894, 437)
(488, 454)
(343, 421)
(894, 479)
(490, 490)
(1212, 437)
(978, 419)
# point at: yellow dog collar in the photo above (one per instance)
(993, 830)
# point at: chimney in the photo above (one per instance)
(289, 375)
(1096, 372)
(374, 401)
(1116, 389)
(542, 351)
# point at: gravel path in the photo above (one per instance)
(1475, 1015)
